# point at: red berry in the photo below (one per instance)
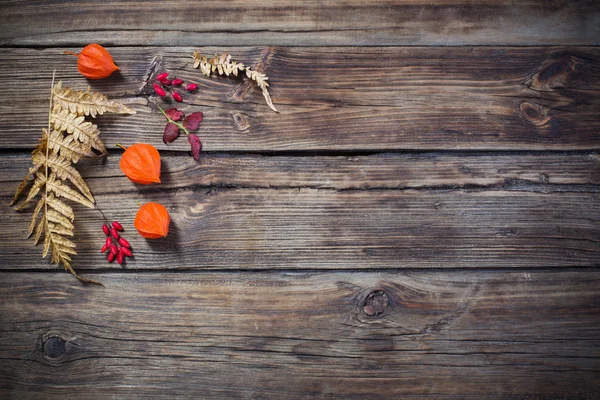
(126, 251)
(104, 248)
(110, 257)
(177, 82)
(162, 77)
(177, 97)
(191, 87)
(124, 242)
(166, 82)
(120, 257)
(117, 226)
(105, 229)
(113, 249)
(114, 233)
(159, 90)
(108, 242)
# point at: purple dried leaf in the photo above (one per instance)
(196, 145)
(192, 121)
(171, 133)
(174, 114)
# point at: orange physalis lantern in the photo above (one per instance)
(94, 62)
(152, 221)
(141, 163)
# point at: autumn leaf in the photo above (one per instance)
(171, 133)
(192, 121)
(196, 145)
(174, 114)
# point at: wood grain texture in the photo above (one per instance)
(349, 99)
(542, 172)
(460, 334)
(339, 23)
(305, 228)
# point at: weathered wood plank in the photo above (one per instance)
(339, 98)
(517, 171)
(459, 334)
(326, 229)
(339, 23)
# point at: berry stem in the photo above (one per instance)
(173, 122)
(121, 146)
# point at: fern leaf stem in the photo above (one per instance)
(48, 151)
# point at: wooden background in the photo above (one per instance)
(420, 221)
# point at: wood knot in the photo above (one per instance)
(553, 72)
(376, 303)
(535, 113)
(54, 347)
(240, 121)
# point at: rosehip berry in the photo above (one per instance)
(191, 87)
(120, 257)
(110, 257)
(104, 248)
(108, 242)
(123, 242)
(177, 82)
(113, 249)
(159, 91)
(105, 229)
(114, 233)
(177, 97)
(117, 226)
(126, 251)
(162, 77)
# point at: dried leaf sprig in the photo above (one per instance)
(68, 138)
(224, 66)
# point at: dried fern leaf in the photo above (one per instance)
(38, 184)
(22, 186)
(68, 147)
(64, 170)
(61, 207)
(223, 65)
(59, 229)
(39, 229)
(34, 218)
(69, 137)
(85, 102)
(61, 190)
(82, 130)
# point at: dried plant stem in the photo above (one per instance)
(173, 122)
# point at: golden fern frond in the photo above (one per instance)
(82, 130)
(61, 190)
(85, 102)
(224, 66)
(64, 170)
(69, 137)
(68, 147)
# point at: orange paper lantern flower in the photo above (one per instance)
(141, 163)
(152, 221)
(94, 62)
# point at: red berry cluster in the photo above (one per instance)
(117, 246)
(164, 84)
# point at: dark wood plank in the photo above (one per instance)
(307, 228)
(460, 334)
(542, 172)
(541, 98)
(259, 22)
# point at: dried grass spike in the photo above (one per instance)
(224, 66)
